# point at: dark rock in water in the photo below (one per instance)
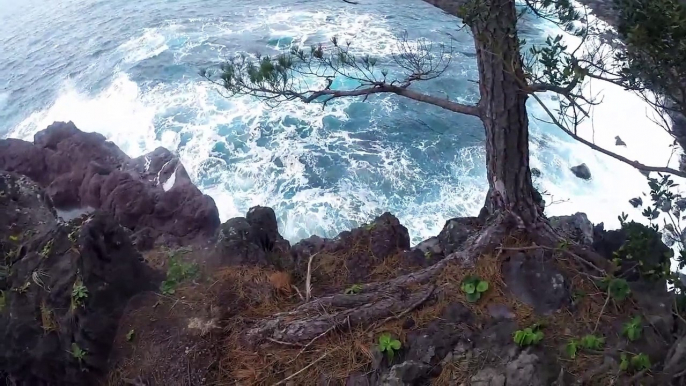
(576, 227)
(253, 240)
(373, 244)
(619, 142)
(535, 172)
(636, 202)
(67, 288)
(84, 170)
(582, 171)
(535, 280)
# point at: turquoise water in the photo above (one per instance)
(129, 70)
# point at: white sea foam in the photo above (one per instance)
(226, 149)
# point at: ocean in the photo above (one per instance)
(129, 70)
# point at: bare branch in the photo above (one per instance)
(616, 156)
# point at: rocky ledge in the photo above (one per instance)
(134, 291)
(151, 195)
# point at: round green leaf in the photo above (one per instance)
(395, 344)
(473, 297)
(482, 286)
(469, 288)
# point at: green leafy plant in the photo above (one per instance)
(588, 342)
(618, 288)
(474, 287)
(427, 255)
(177, 272)
(79, 293)
(529, 336)
(633, 328)
(14, 238)
(78, 353)
(3, 301)
(389, 345)
(592, 342)
(353, 289)
(130, 335)
(638, 362)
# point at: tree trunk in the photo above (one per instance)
(503, 107)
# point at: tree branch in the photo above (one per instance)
(616, 156)
(398, 90)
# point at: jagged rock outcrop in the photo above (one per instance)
(253, 240)
(353, 255)
(576, 227)
(151, 195)
(66, 287)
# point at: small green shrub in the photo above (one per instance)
(633, 328)
(78, 353)
(617, 288)
(528, 336)
(130, 335)
(592, 342)
(79, 293)
(474, 287)
(3, 301)
(353, 289)
(588, 342)
(389, 345)
(638, 362)
(177, 272)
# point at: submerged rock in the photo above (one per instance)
(619, 142)
(582, 171)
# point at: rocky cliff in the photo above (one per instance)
(116, 271)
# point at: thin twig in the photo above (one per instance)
(607, 300)
(298, 292)
(313, 340)
(303, 369)
(283, 343)
(308, 281)
(637, 376)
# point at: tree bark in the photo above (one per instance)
(503, 102)
(503, 106)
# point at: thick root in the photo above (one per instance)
(376, 301)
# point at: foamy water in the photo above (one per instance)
(324, 171)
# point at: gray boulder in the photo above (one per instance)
(582, 171)
(576, 227)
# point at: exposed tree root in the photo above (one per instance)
(376, 301)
